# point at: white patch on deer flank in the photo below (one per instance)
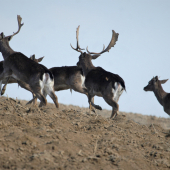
(83, 81)
(46, 84)
(117, 91)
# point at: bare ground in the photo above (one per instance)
(71, 138)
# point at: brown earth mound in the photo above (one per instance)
(71, 138)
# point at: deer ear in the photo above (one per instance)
(40, 59)
(9, 38)
(163, 81)
(156, 78)
(32, 57)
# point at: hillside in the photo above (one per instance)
(71, 138)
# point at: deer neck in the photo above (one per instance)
(160, 94)
(87, 66)
(6, 51)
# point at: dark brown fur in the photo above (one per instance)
(162, 97)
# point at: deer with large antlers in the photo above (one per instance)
(68, 77)
(10, 80)
(162, 97)
(37, 77)
(99, 81)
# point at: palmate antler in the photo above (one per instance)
(111, 44)
(77, 37)
(19, 26)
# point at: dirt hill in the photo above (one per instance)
(70, 138)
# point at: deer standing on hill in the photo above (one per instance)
(37, 77)
(162, 97)
(11, 80)
(68, 77)
(98, 81)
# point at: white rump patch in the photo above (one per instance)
(117, 91)
(46, 84)
(83, 81)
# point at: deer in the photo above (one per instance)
(163, 98)
(36, 77)
(68, 77)
(12, 80)
(99, 81)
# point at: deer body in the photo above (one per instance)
(37, 77)
(162, 97)
(103, 81)
(68, 77)
(99, 81)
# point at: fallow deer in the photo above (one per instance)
(68, 77)
(37, 77)
(162, 97)
(11, 80)
(98, 81)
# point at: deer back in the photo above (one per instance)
(23, 67)
(62, 75)
(101, 78)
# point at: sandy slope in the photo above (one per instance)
(70, 138)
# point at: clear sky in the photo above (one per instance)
(142, 50)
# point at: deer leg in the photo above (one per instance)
(115, 106)
(37, 91)
(90, 102)
(35, 99)
(4, 87)
(54, 98)
(49, 90)
(4, 74)
(80, 89)
(91, 107)
(45, 95)
(42, 99)
(0, 84)
(115, 111)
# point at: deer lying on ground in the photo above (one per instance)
(12, 80)
(162, 97)
(98, 81)
(36, 77)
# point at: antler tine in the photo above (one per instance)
(19, 25)
(111, 44)
(77, 37)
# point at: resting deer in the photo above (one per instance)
(12, 80)
(162, 97)
(36, 77)
(98, 81)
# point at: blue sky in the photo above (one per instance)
(142, 50)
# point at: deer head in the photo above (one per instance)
(154, 84)
(85, 58)
(4, 40)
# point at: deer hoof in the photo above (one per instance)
(2, 92)
(113, 115)
(93, 110)
(98, 107)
